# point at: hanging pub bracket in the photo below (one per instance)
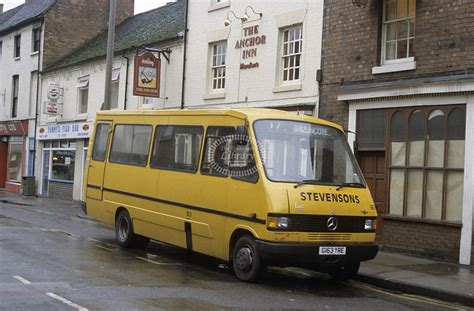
(166, 52)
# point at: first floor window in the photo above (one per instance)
(15, 160)
(291, 53)
(398, 32)
(115, 89)
(16, 82)
(218, 65)
(83, 94)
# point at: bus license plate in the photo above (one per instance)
(332, 250)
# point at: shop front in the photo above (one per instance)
(62, 163)
(13, 138)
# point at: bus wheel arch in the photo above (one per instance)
(124, 233)
(246, 262)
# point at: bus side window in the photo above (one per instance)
(242, 164)
(101, 141)
(177, 147)
(216, 157)
(130, 144)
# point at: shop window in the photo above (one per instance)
(371, 129)
(100, 142)
(215, 160)
(398, 30)
(15, 159)
(130, 144)
(292, 49)
(427, 162)
(177, 147)
(218, 66)
(62, 165)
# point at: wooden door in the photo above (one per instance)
(372, 164)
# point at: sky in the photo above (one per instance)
(140, 5)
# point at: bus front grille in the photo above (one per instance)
(329, 237)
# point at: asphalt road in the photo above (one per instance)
(50, 259)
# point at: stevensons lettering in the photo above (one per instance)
(252, 39)
(329, 197)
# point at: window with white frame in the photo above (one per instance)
(115, 89)
(218, 65)
(292, 45)
(83, 94)
(398, 32)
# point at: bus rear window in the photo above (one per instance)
(130, 144)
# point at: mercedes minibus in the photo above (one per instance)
(252, 187)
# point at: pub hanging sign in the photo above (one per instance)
(147, 75)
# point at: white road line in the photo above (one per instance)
(67, 302)
(94, 240)
(22, 280)
(102, 247)
(158, 263)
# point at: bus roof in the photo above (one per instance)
(246, 113)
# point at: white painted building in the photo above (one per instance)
(254, 54)
(19, 67)
(80, 81)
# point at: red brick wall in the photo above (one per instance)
(443, 45)
(70, 23)
(422, 239)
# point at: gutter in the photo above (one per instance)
(37, 95)
(185, 39)
(126, 81)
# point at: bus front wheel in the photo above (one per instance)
(246, 261)
(125, 235)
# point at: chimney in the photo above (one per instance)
(1, 7)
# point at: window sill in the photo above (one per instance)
(394, 67)
(218, 6)
(288, 88)
(17, 58)
(214, 95)
(82, 116)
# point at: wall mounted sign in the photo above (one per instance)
(52, 105)
(146, 80)
(248, 44)
(75, 130)
(14, 128)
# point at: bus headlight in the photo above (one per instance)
(278, 222)
(370, 224)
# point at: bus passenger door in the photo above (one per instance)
(97, 161)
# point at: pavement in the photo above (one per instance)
(441, 280)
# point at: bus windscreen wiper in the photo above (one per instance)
(350, 184)
(308, 182)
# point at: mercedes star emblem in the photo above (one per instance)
(332, 223)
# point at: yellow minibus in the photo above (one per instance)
(252, 187)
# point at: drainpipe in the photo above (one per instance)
(185, 37)
(37, 95)
(126, 81)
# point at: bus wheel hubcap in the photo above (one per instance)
(123, 230)
(244, 258)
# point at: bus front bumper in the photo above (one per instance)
(307, 255)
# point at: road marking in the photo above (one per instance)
(67, 302)
(21, 279)
(94, 240)
(103, 247)
(407, 296)
(158, 263)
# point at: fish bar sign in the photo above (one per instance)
(146, 80)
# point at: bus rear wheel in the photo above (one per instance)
(246, 261)
(124, 232)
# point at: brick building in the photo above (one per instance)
(32, 36)
(400, 74)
